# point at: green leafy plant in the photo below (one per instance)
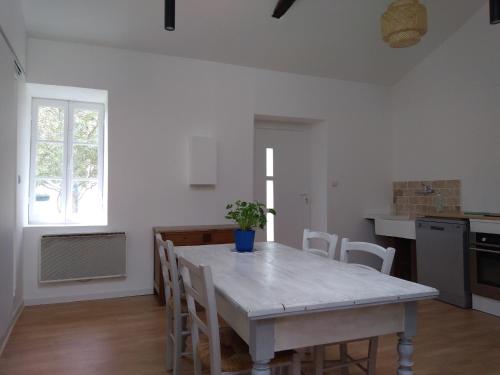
(248, 215)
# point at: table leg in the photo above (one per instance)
(405, 349)
(261, 368)
(261, 346)
(405, 345)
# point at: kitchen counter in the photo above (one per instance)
(462, 215)
(485, 226)
(478, 223)
(403, 226)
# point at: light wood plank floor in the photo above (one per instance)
(126, 336)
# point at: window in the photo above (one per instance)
(67, 162)
(270, 192)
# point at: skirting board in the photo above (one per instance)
(86, 297)
(11, 327)
(486, 305)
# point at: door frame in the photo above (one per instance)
(318, 160)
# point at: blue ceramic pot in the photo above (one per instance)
(244, 240)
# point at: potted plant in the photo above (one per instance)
(248, 216)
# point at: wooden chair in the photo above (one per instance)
(330, 240)
(176, 308)
(220, 350)
(387, 257)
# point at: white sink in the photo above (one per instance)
(395, 226)
(394, 217)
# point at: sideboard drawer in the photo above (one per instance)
(184, 238)
(222, 236)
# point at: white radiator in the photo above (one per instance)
(71, 257)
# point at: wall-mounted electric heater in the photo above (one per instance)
(72, 257)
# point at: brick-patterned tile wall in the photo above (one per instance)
(409, 200)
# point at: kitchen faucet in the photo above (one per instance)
(427, 188)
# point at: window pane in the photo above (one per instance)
(48, 200)
(270, 204)
(270, 227)
(49, 159)
(270, 194)
(85, 161)
(85, 201)
(86, 126)
(50, 123)
(269, 162)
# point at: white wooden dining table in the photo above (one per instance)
(279, 298)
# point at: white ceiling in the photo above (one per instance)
(328, 38)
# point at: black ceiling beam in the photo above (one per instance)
(494, 12)
(282, 7)
(170, 15)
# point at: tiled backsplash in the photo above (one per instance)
(410, 199)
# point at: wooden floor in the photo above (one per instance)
(126, 336)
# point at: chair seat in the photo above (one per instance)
(234, 352)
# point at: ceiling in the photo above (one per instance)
(327, 38)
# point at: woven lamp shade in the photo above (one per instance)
(404, 23)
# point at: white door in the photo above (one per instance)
(285, 179)
(8, 155)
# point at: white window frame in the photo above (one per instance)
(69, 107)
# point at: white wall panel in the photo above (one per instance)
(156, 102)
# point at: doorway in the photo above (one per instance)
(282, 179)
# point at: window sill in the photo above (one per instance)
(56, 225)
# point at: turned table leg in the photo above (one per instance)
(261, 346)
(405, 345)
(261, 368)
(405, 349)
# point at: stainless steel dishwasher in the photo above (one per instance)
(443, 258)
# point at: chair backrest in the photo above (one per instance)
(330, 239)
(386, 255)
(199, 289)
(170, 273)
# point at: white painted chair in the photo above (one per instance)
(386, 255)
(347, 248)
(176, 309)
(330, 240)
(220, 350)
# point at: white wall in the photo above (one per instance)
(359, 139)
(156, 102)
(446, 115)
(12, 23)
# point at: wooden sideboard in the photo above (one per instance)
(188, 236)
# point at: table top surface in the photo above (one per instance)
(278, 280)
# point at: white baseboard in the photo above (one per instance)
(86, 297)
(486, 305)
(4, 340)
